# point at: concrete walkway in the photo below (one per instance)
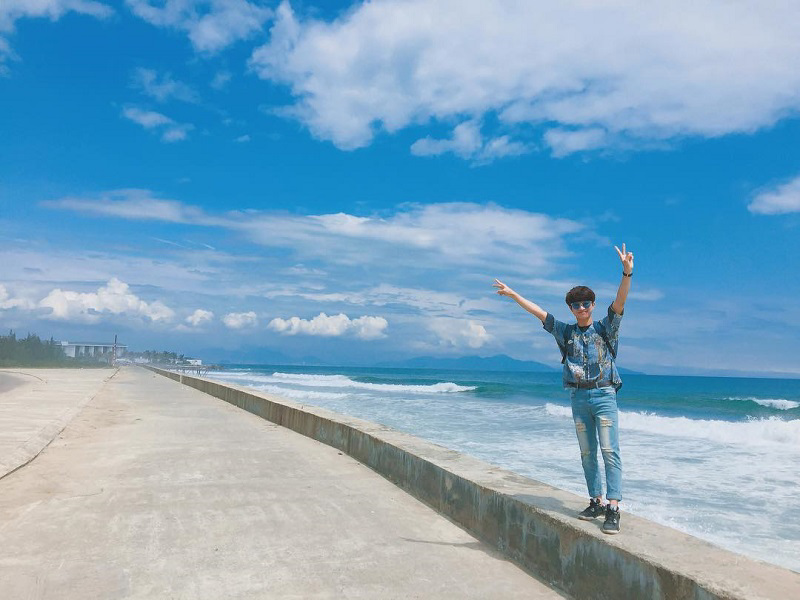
(155, 490)
(35, 405)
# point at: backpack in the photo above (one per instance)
(601, 330)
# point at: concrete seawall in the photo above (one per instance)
(532, 523)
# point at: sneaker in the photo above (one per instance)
(594, 510)
(611, 524)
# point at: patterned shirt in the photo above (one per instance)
(587, 354)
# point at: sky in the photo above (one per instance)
(345, 180)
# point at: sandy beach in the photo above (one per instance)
(149, 489)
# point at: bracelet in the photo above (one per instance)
(624, 274)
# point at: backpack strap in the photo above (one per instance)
(604, 334)
(562, 345)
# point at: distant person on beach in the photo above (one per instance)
(588, 350)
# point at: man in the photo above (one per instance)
(589, 350)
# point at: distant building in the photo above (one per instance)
(195, 362)
(91, 349)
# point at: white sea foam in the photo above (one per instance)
(779, 403)
(341, 381)
(295, 394)
(753, 432)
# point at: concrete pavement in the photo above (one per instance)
(156, 490)
(35, 405)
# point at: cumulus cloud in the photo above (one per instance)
(573, 75)
(8, 302)
(365, 328)
(200, 317)
(162, 87)
(459, 333)
(171, 131)
(115, 298)
(778, 200)
(210, 24)
(240, 320)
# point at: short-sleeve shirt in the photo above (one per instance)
(587, 355)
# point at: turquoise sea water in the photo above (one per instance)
(715, 457)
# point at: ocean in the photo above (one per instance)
(718, 458)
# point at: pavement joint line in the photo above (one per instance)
(51, 431)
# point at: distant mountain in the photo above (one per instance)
(623, 371)
(500, 362)
(244, 356)
(267, 356)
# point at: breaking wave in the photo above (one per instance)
(779, 403)
(752, 432)
(342, 382)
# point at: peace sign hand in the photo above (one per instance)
(626, 258)
(502, 288)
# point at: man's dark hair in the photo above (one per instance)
(579, 293)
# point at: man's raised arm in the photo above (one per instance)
(533, 308)
(625, 285)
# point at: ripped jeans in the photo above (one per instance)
(595, 414)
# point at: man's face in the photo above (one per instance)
(582, 309)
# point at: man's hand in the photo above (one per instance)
(626, 258)
(503, 289)
(533, 308)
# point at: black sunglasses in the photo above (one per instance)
(580, 305)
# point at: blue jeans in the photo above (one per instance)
(595, 414)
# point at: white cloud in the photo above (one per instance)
(585, 75)
(221, 80)
(115, 298)
(468, 142)
(163, 87)
(441, 234)
(459, 333)
(418, 299)
(365, 328)
(171, 131)
(200, 317)
(778, 200)
(176, 133)
(7, 302)
(240, 320)
(242, 139)
(452, 233)
(134, 204)
(210, 24)
(563, 141)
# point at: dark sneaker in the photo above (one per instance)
(594, 510)
(611, 524)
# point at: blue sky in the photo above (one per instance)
(345, 180)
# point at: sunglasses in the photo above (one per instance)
(580, 305)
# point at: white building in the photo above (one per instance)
(99, 350)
